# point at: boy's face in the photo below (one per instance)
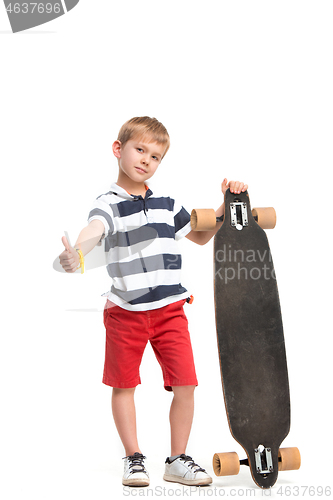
(138, 159)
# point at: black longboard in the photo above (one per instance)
(250, 340)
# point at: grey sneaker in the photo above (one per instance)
(135, 473)
(183, 470)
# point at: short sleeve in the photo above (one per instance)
(102, 211)
(182, 221)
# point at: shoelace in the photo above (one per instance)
(137, 462)
(192, 464)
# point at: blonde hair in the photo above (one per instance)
(144, 128)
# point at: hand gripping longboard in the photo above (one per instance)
(250, 341)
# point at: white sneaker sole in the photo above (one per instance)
(136, 481)
(194, 482)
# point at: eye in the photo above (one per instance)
(155, 158)
(140, 150)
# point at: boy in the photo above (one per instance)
(146, 299)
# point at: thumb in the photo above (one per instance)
(224, 185)
(66, 244)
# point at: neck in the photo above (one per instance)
(132, 187)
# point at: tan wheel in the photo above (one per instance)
(226, 464)
(266, 217)
(289, 459)
(203, 219)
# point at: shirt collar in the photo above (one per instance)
(124, 194)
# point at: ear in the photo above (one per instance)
(116, 148)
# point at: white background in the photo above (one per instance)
(245, 91)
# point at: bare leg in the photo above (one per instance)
(181, 417)
(123, 409)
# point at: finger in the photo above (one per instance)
(66, 257)
(245, 188)
(65, 243)
(63, 255)
(237, 187)
(69, 268)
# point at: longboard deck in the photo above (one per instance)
(251, 340)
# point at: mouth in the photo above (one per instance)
(140, 170)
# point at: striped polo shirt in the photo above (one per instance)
(141, 240)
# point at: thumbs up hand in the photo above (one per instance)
(69, 258)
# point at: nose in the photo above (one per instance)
(145, 160)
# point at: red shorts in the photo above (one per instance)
(127, 334)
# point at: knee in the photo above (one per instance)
(184, 392)
(116, 392)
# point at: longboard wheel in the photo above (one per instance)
(289, 459)
(266, 217)
(226, 464)
(203, 219)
